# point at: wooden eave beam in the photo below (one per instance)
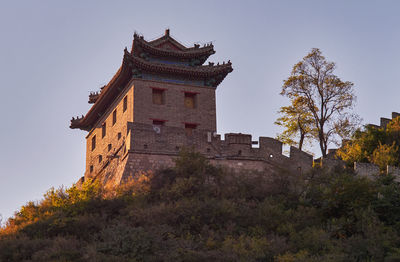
(201, 71)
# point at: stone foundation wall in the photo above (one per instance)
(366, 169)
(395, 171)
(371, 171)
(148, 149)
(135, 163)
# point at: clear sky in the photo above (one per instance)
(53, 53)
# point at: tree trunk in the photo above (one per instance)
(322, 143)
(302, 135)
(323, 149)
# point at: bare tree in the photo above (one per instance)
(326, 96)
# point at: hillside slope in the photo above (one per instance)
(196, 212)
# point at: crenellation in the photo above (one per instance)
(373, 126)
(384, 122)
(144, 146)
(243, 139)
(301, 159)
(271, 149)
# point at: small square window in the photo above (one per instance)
(158, 122)
(158, 96)
(125, 103)
(114, 116)
(189, 129)
(93, 142)
(103, 130)
(190, 100)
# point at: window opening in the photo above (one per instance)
(100, 158)
(189, 129)
(93, 142)
(109, 147)
(190, 100)
(158, 122)
(125, 104)
(103, 130)
(158, 96)
(114, 116)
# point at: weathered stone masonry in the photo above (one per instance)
(147, 150)
(161, 100)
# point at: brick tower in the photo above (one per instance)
(161, 99)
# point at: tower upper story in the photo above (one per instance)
(169, 82)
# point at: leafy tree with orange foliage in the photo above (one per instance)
(385, 155)
(326, 97)
(374, 145)
(297, 122)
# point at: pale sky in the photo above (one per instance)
(53, 53)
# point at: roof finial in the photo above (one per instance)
(167, 32)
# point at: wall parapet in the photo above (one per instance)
(370, 170)
(149, 139)
(385, 121)
(366, 169)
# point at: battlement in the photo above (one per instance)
(385, 121)
(165, 140)
(371, 171)
(149, 147)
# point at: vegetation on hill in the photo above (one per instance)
(374, 145)
(197, 212)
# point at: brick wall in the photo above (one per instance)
(366, 169)
(115, 133)
(173, 110)
(140, 109)
(145, 149)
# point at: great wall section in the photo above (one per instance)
(162, 100)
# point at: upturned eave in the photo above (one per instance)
(140, 45)
(107, 96)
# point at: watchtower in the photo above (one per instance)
(160, 84)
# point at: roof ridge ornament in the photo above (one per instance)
(167, 32)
